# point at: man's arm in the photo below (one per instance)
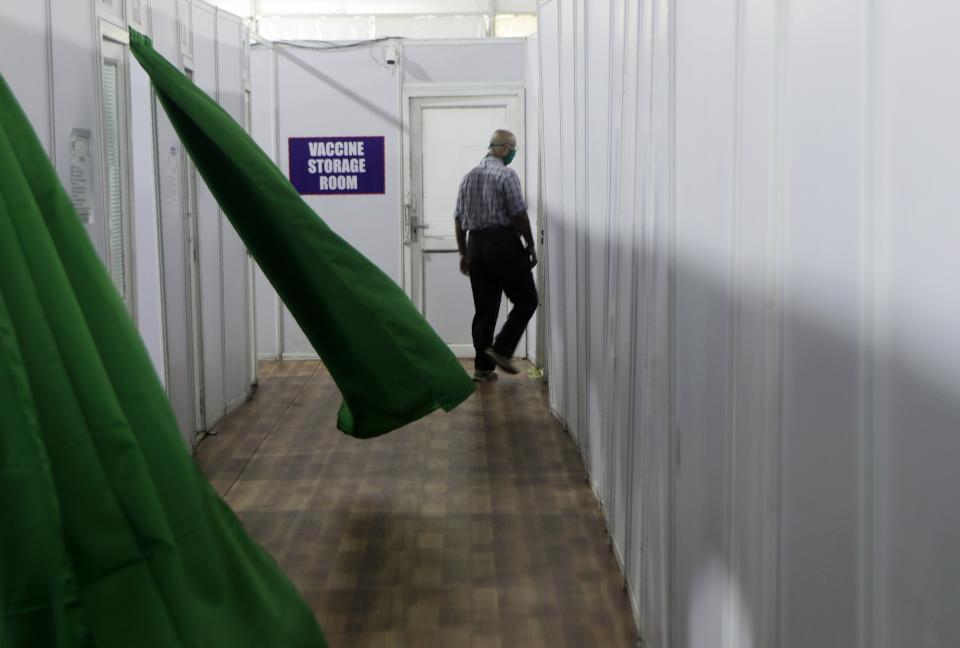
(522, 224)
(513, 198)
(462, 246)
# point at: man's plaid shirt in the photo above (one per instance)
(489, 196)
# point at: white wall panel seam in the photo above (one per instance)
(544, 339)
(582, 225)
(774, 543)
(663, 589)
(869, 316)
(631, 428)
(276, 158)
(613, 220)
(98, 135)
(603, 478)
(164, 338)
(562, 289)
(616, 106)
(223, 305)
(731, 631)
(644, 460)
(51, 86)
(562, 407)
(581, 84)
(626, 228)
(193, 334)
(675, 449)
(160, 251)
(878, 588)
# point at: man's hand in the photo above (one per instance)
(464, 265)
(532, 255)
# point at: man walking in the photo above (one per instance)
(490, 206)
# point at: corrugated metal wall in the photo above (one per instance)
(750, 211)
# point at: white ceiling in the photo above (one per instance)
(375, 7)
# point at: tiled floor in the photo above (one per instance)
(473, 528)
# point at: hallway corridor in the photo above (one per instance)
(474, 528)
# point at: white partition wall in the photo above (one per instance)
(752, 310)
(532, 160)
(263, 129)
(231, 84)
(314, 90)
(175, 259)
(51, 54)
(203, 66)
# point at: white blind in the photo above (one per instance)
(113, 171)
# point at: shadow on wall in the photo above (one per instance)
(813, 479)
(354, 96)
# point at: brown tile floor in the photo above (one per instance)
(474, 528)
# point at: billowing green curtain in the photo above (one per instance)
(389, 365)
(109, 535)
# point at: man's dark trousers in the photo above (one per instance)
(499, 264)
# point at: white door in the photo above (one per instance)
(449, 135)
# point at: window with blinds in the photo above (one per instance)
(113, 174)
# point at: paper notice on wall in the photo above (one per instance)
(81, 174)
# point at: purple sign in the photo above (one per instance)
(337, 165)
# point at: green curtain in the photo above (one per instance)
(389, 365)
(109, 536)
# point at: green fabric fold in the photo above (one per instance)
(389, 364)
(110, 534)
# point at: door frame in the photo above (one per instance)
(417, 91)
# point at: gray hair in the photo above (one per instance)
(501, 138)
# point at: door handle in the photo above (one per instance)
(420, 227)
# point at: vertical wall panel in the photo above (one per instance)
(549, 41)
(917, 407)
(580, 164)
(643, 300)
(608, 390)
(649, 574)
(823, 113)
(263, 124)
(596, 226)
(173, 240)
(622, 287)
(754, 434)
(149, 315)
(532, 160)
(236, 333)
(208, 217)
(705, 76)
(568, 207)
